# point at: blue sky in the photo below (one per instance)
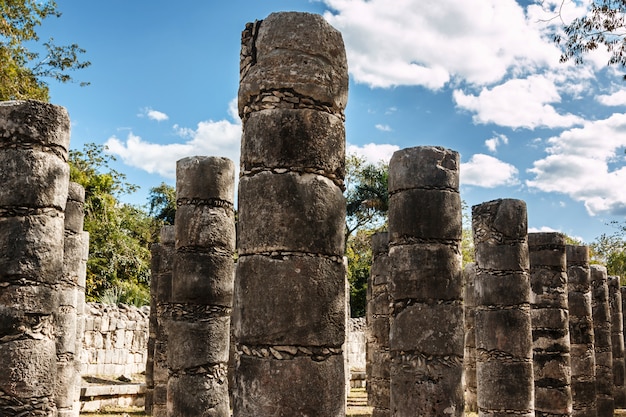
(481, 77)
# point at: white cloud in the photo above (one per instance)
(493, 143)
(584, 164)
(616, 99)
(412, 43)
(372, 152)
(542, 229)
(211, 138)
(154, 114)
(489, 172)
(518, 103)
(383, 128)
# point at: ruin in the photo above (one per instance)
(582, 346)
(201, 296)
(426, 282)
(603, 348)
(617, 341)
(161, 292)
(291, 219)
(550, 324)
(469, 358)
(378, 316)
(504, 355)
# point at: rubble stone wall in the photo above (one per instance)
(115, 341)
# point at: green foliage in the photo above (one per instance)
(119, 234)
(610, 250)
(359, 254)
(603, 25)
(22, 70)
(162, 205)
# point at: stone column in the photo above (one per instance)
(377, 353)
(202, 288)
(469, 358)
(161, 290)
(617, 338)
(34, 179)
(426, 336)
(65, 319)
(550, 324)
(504, 357)
(80, 314)
(290, 290)
(582, 348)
(601, 313)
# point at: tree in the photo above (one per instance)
(22, 70)
(610, 250)
(603, 25)
(120, 234)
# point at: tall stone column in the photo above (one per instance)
(34, 180)
(66, 317)
(617, 338)
(469, 358)
(198, 320)
(161, 289)
(504, 357)
(290, 286)
(550, 324)
(378, 316)
(582, 345)
(603, 348)
(426, 336)
(81, 284)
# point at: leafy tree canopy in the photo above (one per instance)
(22, 70)
(602, 26)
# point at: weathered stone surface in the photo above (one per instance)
(413, 329)
(601, 314)
(504, 368)
(284, 387)
(301, 139)
(31, 247)
(436, 393)
(205, 178)
(264, 318)
(29, 369)
(469, 357)
(416, 214)
(24, 308)
(619, 369)
(296, 52)
(197, 395)
(310, 204)
(425, 271)
(189, 350)
(581, 331)
(424, 167)
(203, 278)
(426, 282)
(205, 226)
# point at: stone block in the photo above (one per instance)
(499, 257)
(505, 386)
(198, 342)
(197, 395)
(290, 300)
(424, 167)
(285, 385)
(215, 179)
(294, 138)
(424, 272)
(433, 390)
(203, 278)
(31, 247)
(24, 306)
(311, 63)
(416, 328)
(205, 228)
(495, 332)
(29, 368)
(426, 214)
(295, 213)
(509, 289)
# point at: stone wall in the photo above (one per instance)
(355, 343)
(115, 342)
